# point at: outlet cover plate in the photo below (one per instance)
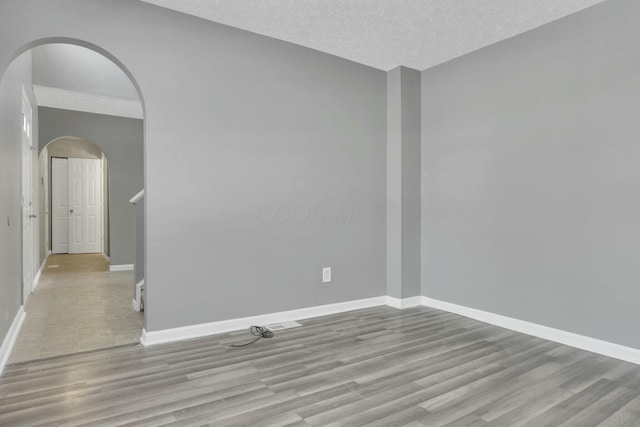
(326, 274)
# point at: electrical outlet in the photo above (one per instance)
(326, 274)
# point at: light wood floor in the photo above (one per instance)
(378, 367)
(78, 305)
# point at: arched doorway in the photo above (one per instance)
(50, 93)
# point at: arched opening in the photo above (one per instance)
(79, 107)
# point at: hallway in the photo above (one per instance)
(78, 306)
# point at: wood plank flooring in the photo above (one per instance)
(375, 367)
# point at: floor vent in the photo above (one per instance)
(283, 325)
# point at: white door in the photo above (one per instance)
(85, 205)
(28, 209)
(59, 205)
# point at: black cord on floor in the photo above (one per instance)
(257, 331)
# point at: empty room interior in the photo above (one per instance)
(297, 213)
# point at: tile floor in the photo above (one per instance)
(78, 306)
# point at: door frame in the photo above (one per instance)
(30, 233)
(54, 197)
(45, 171)
(100, 200)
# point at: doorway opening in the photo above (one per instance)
(82, 161)
(76, 196)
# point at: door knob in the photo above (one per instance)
(33, 216)
(70, 210)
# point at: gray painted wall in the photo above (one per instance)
(403, 182)
(138, 273)
(257, 151)
(17, 75)
(265, 161)
(105, 203)
(79, 69)
(121, 139)
(531, 177)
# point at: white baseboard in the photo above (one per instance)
(223, 326)
(10, 339)
(121, 267)
(36, 279)
(594, 345)
(106, 258)
(404, 302)
(134, 305)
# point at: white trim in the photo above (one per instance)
(594, 345)
(59, 205)
(36, 280)
(106, 258)
(138, 298)
(88, 102)
(223, 326)
(121, 267)
(404, 303)
(101, 185)
(135, 199)
(49, 251)
(28, 233)
(10, 340)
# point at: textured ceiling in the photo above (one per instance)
(384, 33)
